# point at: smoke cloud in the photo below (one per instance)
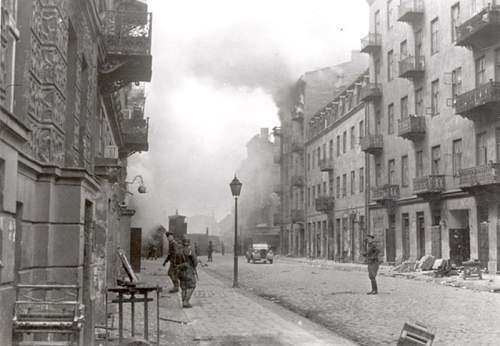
(221, 71)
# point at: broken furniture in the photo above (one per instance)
(49, 312)
(415, 334)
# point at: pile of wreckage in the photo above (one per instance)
(441, 267)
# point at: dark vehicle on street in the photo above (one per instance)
(260, 253)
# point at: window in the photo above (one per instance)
(353, 139)
(338, 187)
(456, 83)
(404, 171)
(455, 21)
(330, 149)
(324, 151)
(457, 156)
(344, 142)
(353, 181)
(419, 101)
(378, 173)
(436, 160)
(419, 163)
(344, 185)
(390, 119)
(376, 67)
(314, 192)
(318, 190)
(391, 172)
(480, 71)
(361, 128)
(313, 159)
(319, 155)
(390, 65)
(404, 107)
(435, 36)
(390, 14)
(361, 179)
(481, 149)
(376, 20)
(418, 43)
(309, 196)
(324, 188)
(308, 161)
(403, 50)
(338, 145)
(330, 185)
(377, 121)
(435, 97)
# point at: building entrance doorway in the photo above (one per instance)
(390, 239)
(420, 235)
(459, 245)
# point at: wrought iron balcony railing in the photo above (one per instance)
(324, 204)
(412, 128)
(298, 215)
(481, 100)
(412, 67)
(135, 134)
(326, 165)
(479, 176)
(371, 43)
(372, 144)
(388, 192)
(370, 92)
(298, 180)
(410, 11)
(481, 30)
(429, 184)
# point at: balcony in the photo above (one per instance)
(429, 185)
(412, 67)
(298, 181)
(278, 189)
(126, 36)
(298, 215)
(370, 92)
(385, 194)
(277, 158)
(371, 43)
(297, 147)
(372, 144)
(480, 178)
(326, 165)
(412, 128)
(410, 11)
(324, 204)
(482, 30)
(135, 135)
(482, 100)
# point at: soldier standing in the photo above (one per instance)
(210, 251)
(171, 257)
(186, 271)
(371, 254)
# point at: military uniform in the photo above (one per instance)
(172, 258)
(186, 271)
(372, 253)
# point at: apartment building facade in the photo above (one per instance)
(432, 103)
(335, 171)
(69, 119)
(312, 92)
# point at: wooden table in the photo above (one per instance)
(134, 294)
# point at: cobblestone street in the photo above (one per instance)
(337, 300)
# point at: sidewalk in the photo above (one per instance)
(489, 283)
(222, 315)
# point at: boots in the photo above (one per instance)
(374, 287)
(186, 296)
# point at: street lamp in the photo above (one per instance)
(235, 186)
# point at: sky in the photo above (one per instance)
(218, 68)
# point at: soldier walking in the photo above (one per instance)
(371, 254)
(172, 258)
(186, 271)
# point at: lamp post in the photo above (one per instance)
(235, 186)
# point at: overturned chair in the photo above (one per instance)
(48, 314)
